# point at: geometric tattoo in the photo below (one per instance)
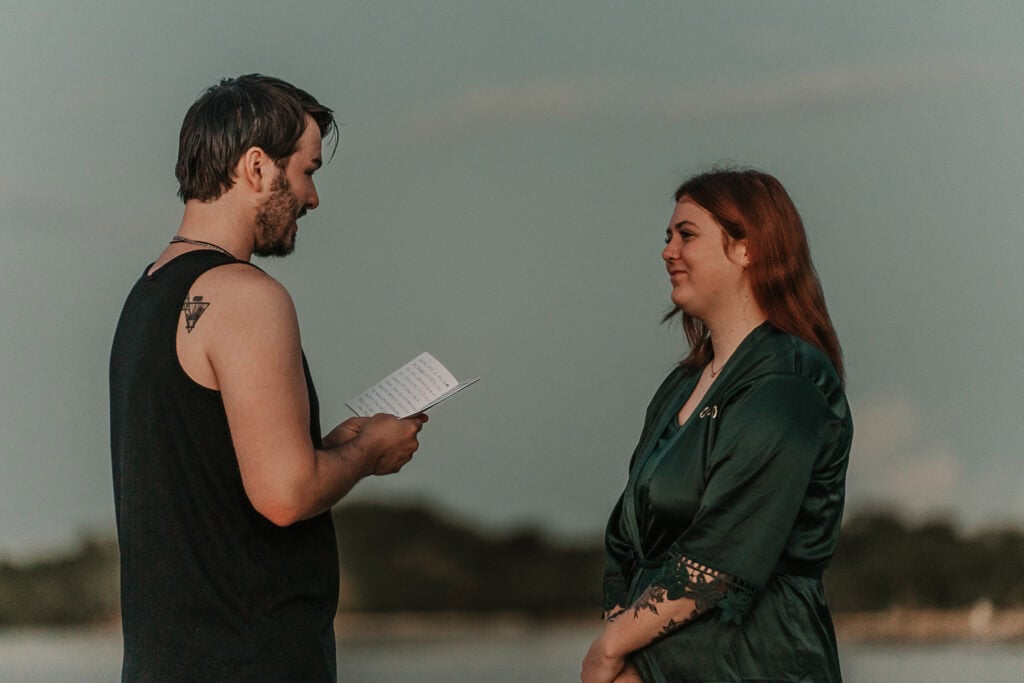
(193, 310)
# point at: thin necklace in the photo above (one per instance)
(200, 243)
(714, 373)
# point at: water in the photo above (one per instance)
(534, 656)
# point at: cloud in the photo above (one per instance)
(829, 87)
(898, 459)
(999, 490)
(552, 102)
(901, 460)
(542, 102)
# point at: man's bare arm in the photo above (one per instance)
(249, 337)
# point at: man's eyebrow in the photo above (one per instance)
(317, 162)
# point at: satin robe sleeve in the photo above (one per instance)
(617, 559)
(757, 471)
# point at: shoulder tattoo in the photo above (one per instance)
(193, 310)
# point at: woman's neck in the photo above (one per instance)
(729, 331)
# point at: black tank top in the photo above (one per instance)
(210, 589)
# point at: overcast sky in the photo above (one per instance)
(499, 198)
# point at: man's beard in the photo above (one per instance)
(273, 220)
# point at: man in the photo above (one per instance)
(222, 483)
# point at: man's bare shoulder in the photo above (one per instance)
(242, 285)
(235, 317)
(238, 302)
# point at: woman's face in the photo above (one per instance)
(705, 266)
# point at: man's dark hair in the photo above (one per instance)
(234, 115)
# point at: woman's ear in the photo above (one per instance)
(739, 253)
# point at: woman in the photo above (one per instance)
(716, 548)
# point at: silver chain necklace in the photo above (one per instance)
(200, 243)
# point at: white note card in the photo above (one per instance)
(419, 384)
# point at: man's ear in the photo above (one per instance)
(252, 168)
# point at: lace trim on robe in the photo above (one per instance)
(614, 591)
(682, 577)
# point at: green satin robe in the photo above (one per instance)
(749, 493)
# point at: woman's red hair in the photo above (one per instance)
(753, 206)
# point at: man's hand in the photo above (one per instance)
(345, 432)
(389, 441)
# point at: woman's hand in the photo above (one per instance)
(600, 666)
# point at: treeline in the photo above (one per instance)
(884, 562)
(412, 558)
(392, 558)
(79, 587)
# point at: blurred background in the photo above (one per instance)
(499, 197)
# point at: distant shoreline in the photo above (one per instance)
(432, 626)
(981, 623)
(899, 626)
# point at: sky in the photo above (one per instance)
(499, 197)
